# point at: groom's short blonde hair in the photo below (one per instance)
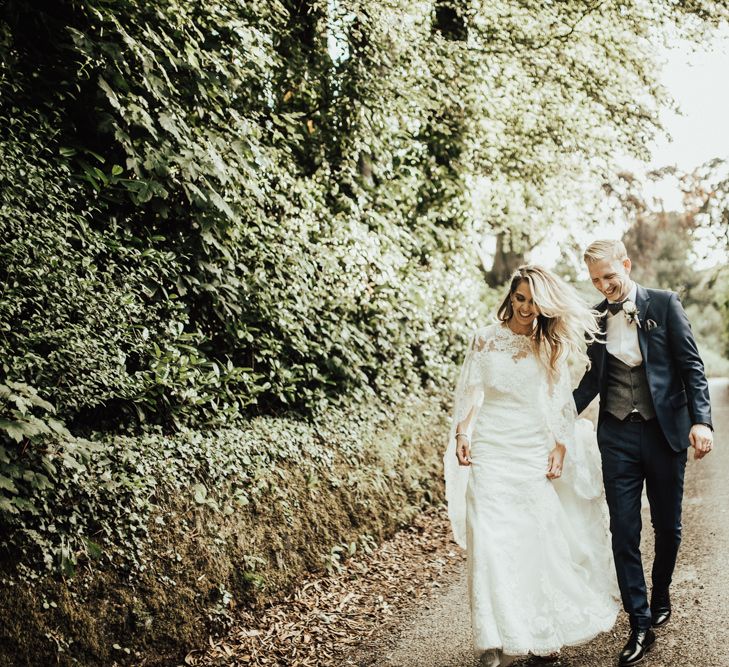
(605, 249)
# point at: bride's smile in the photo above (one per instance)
(525, 311)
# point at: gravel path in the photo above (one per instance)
(438, 634)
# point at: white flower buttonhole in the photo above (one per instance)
(630, 310)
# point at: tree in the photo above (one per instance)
(315, 177)
(664, 247)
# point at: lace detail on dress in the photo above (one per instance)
(560, 409)
(499, 338)
(495, 350)
(582, 466)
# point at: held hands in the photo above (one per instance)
(701, 438)
(463, 449)
(556, 461)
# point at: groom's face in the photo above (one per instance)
(611, 277)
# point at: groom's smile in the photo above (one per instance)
(611, 277)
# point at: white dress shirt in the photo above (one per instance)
(622, 337)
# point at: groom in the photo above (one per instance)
(654, 404)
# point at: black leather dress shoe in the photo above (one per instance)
(660, 610)
(639, 643)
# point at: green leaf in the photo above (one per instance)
(68, 566)
(94, 550)
(221, 204)
(110, 94)
(16, 430)
(200, 493)
(59, 427)
(37, 480)
(37, 400)
(7, 506)
(8, 484)
(25, 505)
(22, 404)
(71, 462)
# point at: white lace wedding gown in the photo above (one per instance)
(540, 568)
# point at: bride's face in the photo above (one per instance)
(523, 304)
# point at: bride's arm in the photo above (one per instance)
(561, 419)
(469, 396)
(463, 439)
(581, 462)
(468, 399)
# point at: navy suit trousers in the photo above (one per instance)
(633, 453)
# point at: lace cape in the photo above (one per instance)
(582, 469)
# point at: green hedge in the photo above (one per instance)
(74, 315)
(162, 532)
(189, 241)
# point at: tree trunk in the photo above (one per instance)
(506, 261)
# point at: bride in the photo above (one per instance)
(523, 480)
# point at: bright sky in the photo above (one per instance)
(698, 79)
(699, 82)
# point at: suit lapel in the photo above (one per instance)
(601, 308)
(642, 303)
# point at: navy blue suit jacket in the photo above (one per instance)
(673, 366)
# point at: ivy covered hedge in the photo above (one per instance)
(159, 537)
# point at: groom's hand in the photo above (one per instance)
(701, 438)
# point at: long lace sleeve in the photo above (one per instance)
(560, 410)
(467, 399)
(582, 468)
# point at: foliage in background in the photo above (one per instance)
(278, 196)
(37, 453)
(78, 309)
(706, 195)
(665, 248)
(257, 276)
(167, 535)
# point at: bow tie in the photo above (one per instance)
(615, 308)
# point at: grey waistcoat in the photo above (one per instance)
(627, 390)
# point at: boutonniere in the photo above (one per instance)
(630, 310)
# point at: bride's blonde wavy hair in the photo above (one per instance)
(564, 324)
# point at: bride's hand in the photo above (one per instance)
(556, 461)
(463, 452)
